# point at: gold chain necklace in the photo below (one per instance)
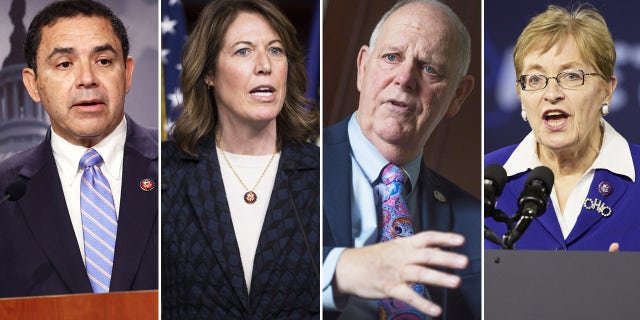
(250, 196)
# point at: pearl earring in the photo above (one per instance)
(604, 109)
(523, 114)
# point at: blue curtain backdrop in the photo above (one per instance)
(503, 22)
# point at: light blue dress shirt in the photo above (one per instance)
(366, 165)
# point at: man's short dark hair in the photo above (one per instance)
(69, 9)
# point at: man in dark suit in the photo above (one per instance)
(412, 74)
(79, 69)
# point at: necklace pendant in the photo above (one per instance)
(250, 197)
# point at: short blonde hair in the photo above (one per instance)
(556, 24)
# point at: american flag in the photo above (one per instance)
(174, 33)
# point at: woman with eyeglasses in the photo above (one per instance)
(564, 64)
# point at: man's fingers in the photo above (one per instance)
(439, 258)
(374, 271)
(408, 295)
(419, 274)
(436, 239)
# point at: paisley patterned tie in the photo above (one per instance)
(396, 222)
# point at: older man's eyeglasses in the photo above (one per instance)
(567, 79)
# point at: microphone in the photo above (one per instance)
(517, 232)
(495, 178)
(491, 236)
(533, 199)
(14, 191)
(165, 184)
(532, 202)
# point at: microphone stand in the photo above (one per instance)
(513, 234)
(490, 235)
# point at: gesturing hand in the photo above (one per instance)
(614, 247)
(388, 269)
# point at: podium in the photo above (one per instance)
(561, 285)
(135, 305)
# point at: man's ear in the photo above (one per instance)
(465, 86)
(129, 65)
(29, 80)
(363, 58)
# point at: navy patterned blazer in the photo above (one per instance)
(460, 213)
(39, 253)
(202, 276)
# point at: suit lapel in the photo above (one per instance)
(548, 220)
(138, 208)
(589, 217)
(337, 186)
(45, 210)
(435, 215)
(209, 201)
(278, 228)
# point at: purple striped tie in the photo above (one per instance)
(99, 222)
(396, 222)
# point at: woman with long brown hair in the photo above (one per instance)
(240, 213)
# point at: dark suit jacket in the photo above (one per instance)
(592, 230)
(460, 213)
(202, 276)
(39, 253)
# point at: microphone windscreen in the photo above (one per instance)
(16, 190)
(543, 174)
(497, 174)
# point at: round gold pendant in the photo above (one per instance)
(250, 197)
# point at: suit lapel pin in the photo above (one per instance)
(439, 196)
(598, 205)
(147, 184)
(605, 188)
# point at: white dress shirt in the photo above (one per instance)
(67, 157)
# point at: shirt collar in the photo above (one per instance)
(614, 155)
(369, 158)
(111, 149)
